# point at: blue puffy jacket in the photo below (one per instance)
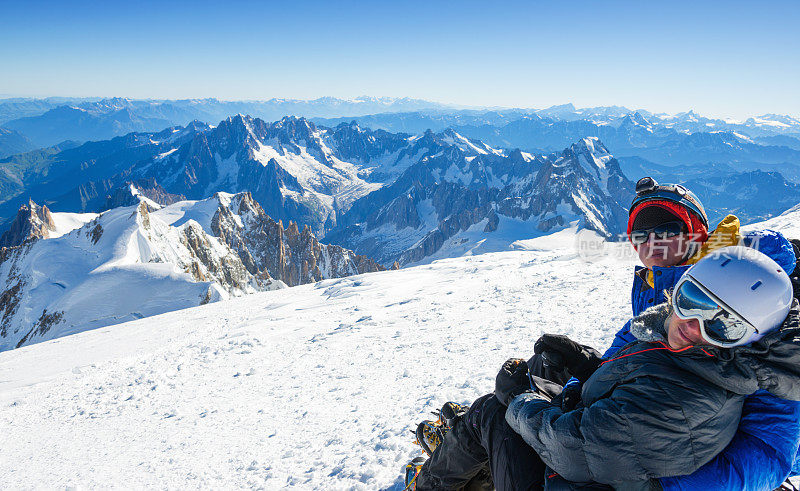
(763, 451)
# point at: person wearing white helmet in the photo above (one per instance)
(669, 402)
(733, 297)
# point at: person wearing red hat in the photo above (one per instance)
(663, 213)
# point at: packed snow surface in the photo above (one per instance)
(313, 387)
(67, 222)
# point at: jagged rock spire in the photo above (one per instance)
(32, 222)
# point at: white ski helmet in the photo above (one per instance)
(743, 282)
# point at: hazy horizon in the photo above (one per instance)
(452, 105)
(723, 59)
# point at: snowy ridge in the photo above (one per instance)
(67, 222)
(148, 259)
(124, 264)
(787, 223)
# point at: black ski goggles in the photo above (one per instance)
(647, 185)
(719, 324)
(663, 231)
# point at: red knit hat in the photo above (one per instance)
(694, 225)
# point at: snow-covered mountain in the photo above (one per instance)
(125, 264)
(455, 200)
(296, 170)
(267, 248)
(290, 388)
(395, 196)
(68, 273)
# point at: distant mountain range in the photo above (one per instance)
(389, 196)
(686, 139)
(763, 126)
(106, 231)
(51, 121)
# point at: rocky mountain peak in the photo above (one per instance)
(31, 223)
(635, 119)
(267, 249)
(590, 146)
(197, 126)
(236, 131)
(295, 129)
(244, 204)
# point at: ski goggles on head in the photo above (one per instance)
(647, 189)
(648, 185)
(719, 324)
(662, 231)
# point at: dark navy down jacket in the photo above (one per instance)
(764, 449)
(652, 412)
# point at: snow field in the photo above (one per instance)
(312, 387)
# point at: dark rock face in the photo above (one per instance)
(31, 223)
(9, 299)
(227, 270)
(451, 191)
(268, 249)
(128, 194)
(45, 322)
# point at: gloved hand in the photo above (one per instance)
(512, 380)
(569, 398)
(581, 361)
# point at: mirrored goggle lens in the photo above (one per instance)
(691, 300)
(725, 328)
(720, 325)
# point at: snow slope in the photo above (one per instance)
(787, 223)
(312, 387)
(122, 265)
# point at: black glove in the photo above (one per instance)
(581, 361)
(569, 398)
(512, 380)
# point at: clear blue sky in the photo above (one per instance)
(729, 58)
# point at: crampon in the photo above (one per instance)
(429, 435)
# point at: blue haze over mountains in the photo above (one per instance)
(395, 179)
